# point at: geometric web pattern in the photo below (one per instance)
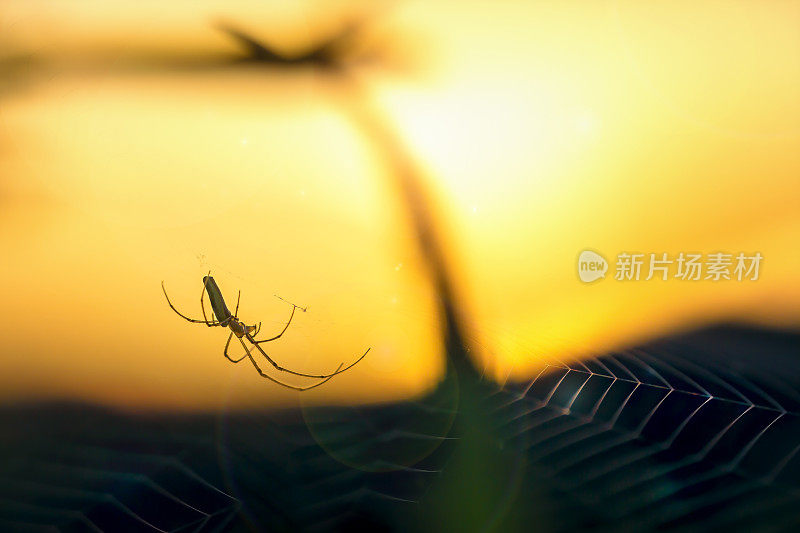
(667, 436)
(696, 432)
(48, 482)
(359, 466)
(76, 492)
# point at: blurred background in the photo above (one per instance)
(142, 141)
(422, 177)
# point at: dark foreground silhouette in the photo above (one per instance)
(698, 430)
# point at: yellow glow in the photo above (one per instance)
(547, 129)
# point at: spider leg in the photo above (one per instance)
(236, 313)
(278, 336)
(267, 376)
(319, 376)
(181, 314)
(225, 353)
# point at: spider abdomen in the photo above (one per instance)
(217, 301)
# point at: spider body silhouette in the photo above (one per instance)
(224, 318)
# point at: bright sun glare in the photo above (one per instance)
(538, 140)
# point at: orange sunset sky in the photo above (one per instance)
(544, 128)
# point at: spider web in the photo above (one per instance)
(695, 427)
(652, 438)
(696, 432)
(64, 485)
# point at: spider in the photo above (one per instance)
(223, 317)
